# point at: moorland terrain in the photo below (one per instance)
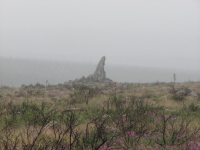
(100, 116)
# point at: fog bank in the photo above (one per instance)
(15, 72)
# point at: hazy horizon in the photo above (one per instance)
(15, 72)
(144, 33)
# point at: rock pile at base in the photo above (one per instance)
(183, 91)
(98, 76)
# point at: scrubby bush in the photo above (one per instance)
(83, 93)
(39, 85)
(178, 97)
(130, 123)
(193, 107)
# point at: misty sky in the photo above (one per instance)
(158, 33)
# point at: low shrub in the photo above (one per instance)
(193, 107)
(178, 97)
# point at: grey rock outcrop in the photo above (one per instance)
(98, 76)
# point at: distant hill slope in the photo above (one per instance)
(14, 72)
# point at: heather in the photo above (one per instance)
(101, 116)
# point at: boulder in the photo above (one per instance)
(183, 91)
(70, 82)
(82, 79)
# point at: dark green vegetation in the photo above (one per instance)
(100, 116)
